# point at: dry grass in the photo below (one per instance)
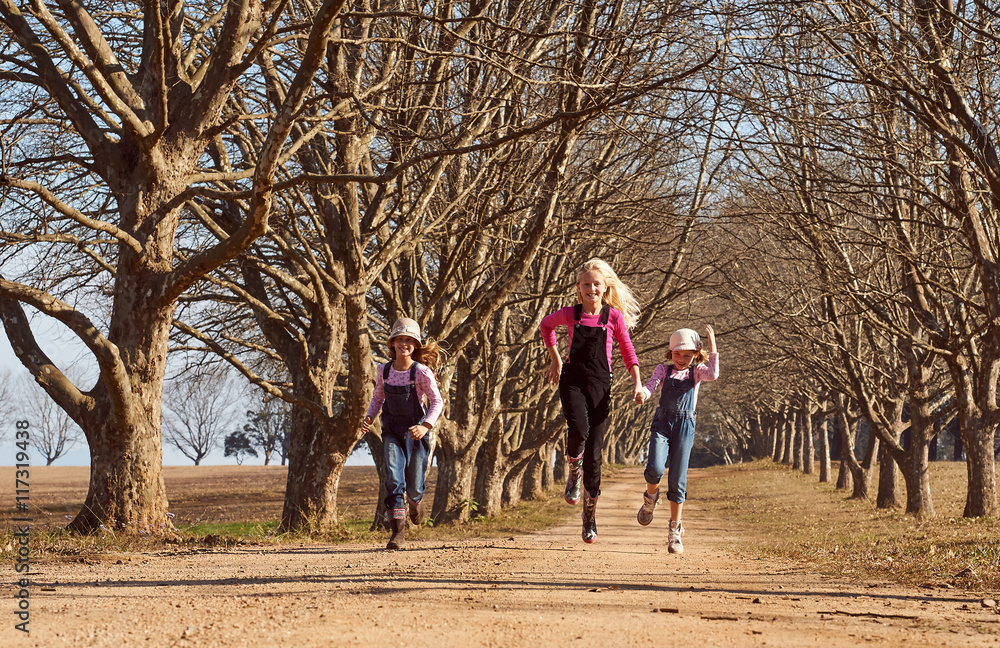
(230, 505)
(785, 513)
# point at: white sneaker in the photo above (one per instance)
(674, 544)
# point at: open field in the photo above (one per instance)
(772, 558)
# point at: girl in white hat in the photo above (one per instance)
(402, 386)
(672, 432)
(605, 312)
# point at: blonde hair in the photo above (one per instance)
(618, 295)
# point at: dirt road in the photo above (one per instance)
(545, 589)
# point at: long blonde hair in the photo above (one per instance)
(618, 295)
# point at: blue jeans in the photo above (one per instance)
(670, 442)
(405, 468)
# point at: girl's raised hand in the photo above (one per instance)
(710, 334)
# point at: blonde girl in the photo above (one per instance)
(605, 311)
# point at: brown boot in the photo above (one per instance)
(397, 522)
(416, 511)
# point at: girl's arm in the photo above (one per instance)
(427, 387)
(710, 333)
(638, 391)
(710, 370)
(377, 399)
(659, 373)
(629, 356)
(548, 329)
(555, 365)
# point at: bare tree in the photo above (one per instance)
(114, 112)
(53, 432)
(198, 411)
(935, 63)
(268, 427)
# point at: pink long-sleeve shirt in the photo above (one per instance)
(617, 330)
(427, 392)
(702, 372)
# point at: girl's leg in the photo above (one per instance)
(574, 405)
(681, 440)
(416, 467)
(680, 453)
(656, 458)
(394, 455)
(599, 404)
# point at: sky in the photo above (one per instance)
(65, 350)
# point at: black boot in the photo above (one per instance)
(398, 526)
(589, 518)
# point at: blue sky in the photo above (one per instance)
(62, 350)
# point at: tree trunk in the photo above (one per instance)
(824, 447)
(798, 441)
(789, 437)
(778, 427)
(374, 442)
(126, 491)
(534, 477)
(844, 478)
(808, 445)
(316, 458)
(456, 469)
(980, 499)
(513, 484)
(860, 474)
(888, 479)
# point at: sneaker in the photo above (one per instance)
(589, 516)
(645, 514)
(674, 544)
(574, 466)
(415, 511)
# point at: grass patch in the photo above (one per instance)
(49, 540)
(783, 513)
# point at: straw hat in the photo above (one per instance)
(405, 326)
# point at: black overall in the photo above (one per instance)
(405, 459)
(585, 392)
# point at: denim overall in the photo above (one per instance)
(672, 435)
(405, 459)
(585, 392)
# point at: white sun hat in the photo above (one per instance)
(685, 340)
(405, 326)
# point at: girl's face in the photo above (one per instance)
(591, 288)
(681, 359)
(404, 346)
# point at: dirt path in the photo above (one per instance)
(546, 589)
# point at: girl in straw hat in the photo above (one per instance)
(402, 386)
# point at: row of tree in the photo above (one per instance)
(270, 187)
